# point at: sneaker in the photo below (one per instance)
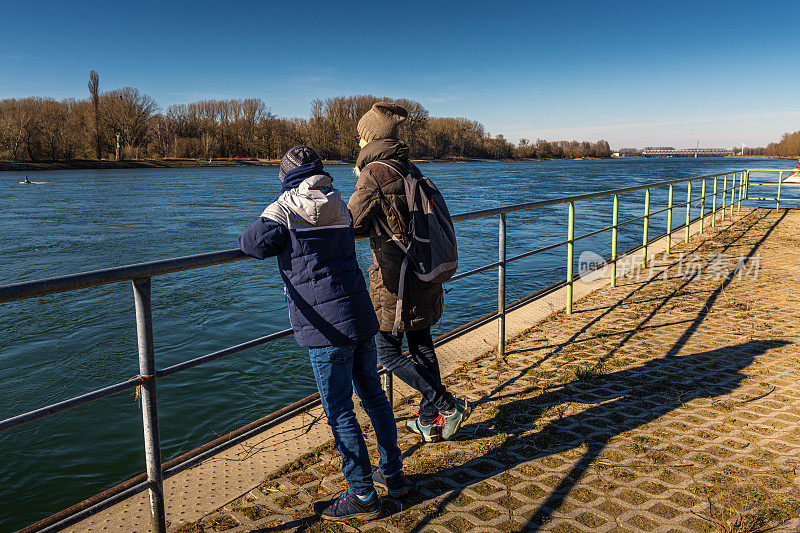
(450, 421)
(431, 433)
(347, 506)
(396, 486)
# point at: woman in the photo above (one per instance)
(380, 201)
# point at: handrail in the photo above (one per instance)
(95, 278)
(141, 273)
(779, 183)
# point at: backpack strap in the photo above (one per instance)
(387, 179)
(378, 224)
(387, 164)
(398, 310)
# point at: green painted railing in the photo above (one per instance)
(724, 202)
(780, 184)
(722, 206)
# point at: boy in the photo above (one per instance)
(308, 228)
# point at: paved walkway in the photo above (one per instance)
(669, 403)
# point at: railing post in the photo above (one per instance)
(570, 253)
(780, 182)
(724, 195)
(614, 230)
(646, 226)
(741, 192)
(688, 210)
(746, 184)
(703, 207)
(733, 194)
(669, 220)
(388, 386)
(147, 371)
(501, 289)
(714, 208)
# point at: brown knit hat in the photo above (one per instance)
(381, 121)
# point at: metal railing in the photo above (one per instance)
(140, 275)
(780, 184)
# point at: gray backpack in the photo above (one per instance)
(431, 252)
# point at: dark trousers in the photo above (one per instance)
(420, 370)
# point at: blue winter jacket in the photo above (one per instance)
(308, 228)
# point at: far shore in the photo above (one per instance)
(102, 164)
(95, 164)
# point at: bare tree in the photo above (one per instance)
(13, 126)
(94, 91)
(125, 114)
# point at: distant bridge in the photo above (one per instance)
(686, 152)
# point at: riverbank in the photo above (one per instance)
(95, 164)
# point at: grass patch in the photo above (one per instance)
(586, 373)
(254, 512)
(222, 522)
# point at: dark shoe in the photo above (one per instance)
(396, 486)
(347, 506)
(430, 432)
(450, 421)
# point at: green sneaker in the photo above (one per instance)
(450, 421)
(430, 433)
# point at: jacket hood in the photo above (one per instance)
(380, 149)
(314, 200)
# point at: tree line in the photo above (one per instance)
(788, 146)
(126, 124)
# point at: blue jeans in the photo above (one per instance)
(420, 371)
(338, 370)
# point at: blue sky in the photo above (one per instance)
(633, 73)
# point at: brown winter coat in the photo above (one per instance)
(380, 193)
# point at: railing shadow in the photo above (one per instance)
(494, 394)
(627, 400)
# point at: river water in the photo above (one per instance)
(59, 346)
